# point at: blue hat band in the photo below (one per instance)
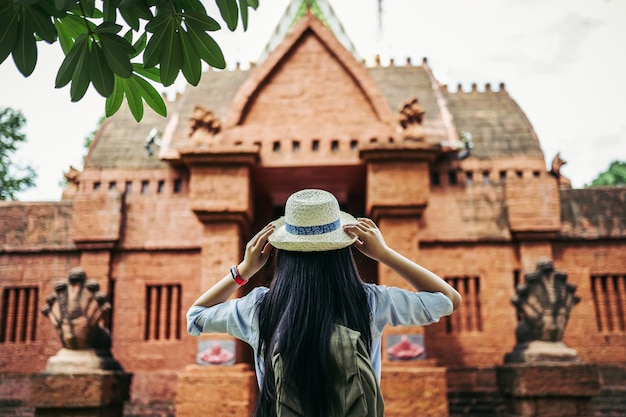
(313, 230)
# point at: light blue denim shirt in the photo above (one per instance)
(389, 305)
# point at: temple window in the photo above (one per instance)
(18, 323)
(469, 177)
(536, 174)
(435, 179)
(276, 146)
(295, 146)
(128, 187)
(145, 184)
(112, 185)
(468, 317)
(519, 173)
(163, 312)
(452, 178)
(486, 177)
(334, 145)
(96, 185)
(502, 177)
(315, 145)
(609, 301)
(354, 144)
(160, 186)
(178, 185)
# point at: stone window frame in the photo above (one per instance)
(608, 293)
(18, 320)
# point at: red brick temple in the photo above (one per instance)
(455, 180)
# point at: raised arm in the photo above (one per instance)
(371, 243)
(256, 255)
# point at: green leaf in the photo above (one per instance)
(80, 78)
(68, 66)
(133, 12)
(64, 4)
(229, 12)
(115, 53)
(109, 10)
(133, 97)
(171, 55)
(140, 45)
(253, 3)
(8, 36)
(150, 95)
(158, 22)
(108, 27)
(99, 72)
(88, 6)
(151, 55)
(153, 74)
(191, 66)
(243, 6)
(114, 101)
(65, 38)
(207, 49)
(200, 21)
(193, 5)
(41, 23)
(25, 50)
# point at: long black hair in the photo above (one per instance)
(311, 292)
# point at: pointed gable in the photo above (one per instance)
(310, 86)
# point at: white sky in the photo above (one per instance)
(563, 61)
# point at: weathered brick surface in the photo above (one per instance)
(414, 391)
(97, 218)
(220, 390)
(80, 390)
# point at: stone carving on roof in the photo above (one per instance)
(204, 126)
(72, 176)
(555, 170)
(410, 118)
(543, 303)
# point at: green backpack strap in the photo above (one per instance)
(357, 386)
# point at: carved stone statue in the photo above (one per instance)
(76, 310)
(555, 170)
(543, 302)
(204, 127)
(410, 120)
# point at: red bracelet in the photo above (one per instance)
(234, 272)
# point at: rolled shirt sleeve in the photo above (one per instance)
(398, 307)
(235, 317)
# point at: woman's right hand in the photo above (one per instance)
(369, 238)
(257, 253)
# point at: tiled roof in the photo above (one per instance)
(592, 213)
(498, 126)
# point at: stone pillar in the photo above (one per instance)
(411, 387)
(548, 389)
(216, 391)
(220, 194)
(80, 394)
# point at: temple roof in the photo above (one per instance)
(294, 12)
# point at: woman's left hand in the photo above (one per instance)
(257, 253)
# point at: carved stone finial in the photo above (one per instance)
(410, 119)
(555, 170)
(543, 302)
(204, 126)
(72, 176)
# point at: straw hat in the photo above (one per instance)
(312, 223)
